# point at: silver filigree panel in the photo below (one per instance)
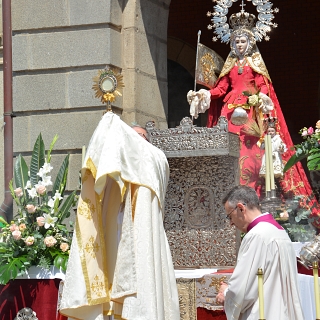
(188, 140)
(198, 233)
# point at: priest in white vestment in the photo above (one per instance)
(266, 245)
(124, 180)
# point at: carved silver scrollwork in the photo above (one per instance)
(203, 167)
(188, 140)
(198, 207)
(26, 314)
(198, 233)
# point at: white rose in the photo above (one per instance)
(253, 100)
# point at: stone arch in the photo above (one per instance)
(182, 53)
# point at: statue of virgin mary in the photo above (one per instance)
(244, 94)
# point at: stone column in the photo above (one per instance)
(144, 47)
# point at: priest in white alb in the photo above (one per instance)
(120, 262)
(266, 245)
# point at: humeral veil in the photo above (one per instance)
(120, 262)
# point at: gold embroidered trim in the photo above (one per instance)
(86, 175)
(228, 65)
(245, 177)
(256, 62)
(102, 244)
(86, 208)
(90, 165)
(216, 282)
(97, 286)
(207, 67)
(91, 247)
(187, 298)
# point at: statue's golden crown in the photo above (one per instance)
(242, 20)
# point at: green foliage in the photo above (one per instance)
(38, 235)
(299, 222)
(309, 149)
(37, 159)
(21, 173)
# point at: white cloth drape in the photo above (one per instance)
(134, 278)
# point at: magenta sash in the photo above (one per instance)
(265, 218)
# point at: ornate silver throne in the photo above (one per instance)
(203, 167)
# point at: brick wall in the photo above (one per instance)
(292, 55)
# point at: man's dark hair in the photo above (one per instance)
(243, 194)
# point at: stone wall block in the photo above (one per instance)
(74, 129)
(161, 64)
(132, 15)
(154, 18)
(80, 92)
(39, 14)
(146, 16)
(147, 95)
(66, 49)
(97, 11)
(38, 92)
(130, 87)
(140, 51)
(36, 14)
(56, 90)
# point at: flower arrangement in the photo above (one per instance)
(309, 148)
(296, 217)
(37, 236)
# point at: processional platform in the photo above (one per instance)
(204, 165)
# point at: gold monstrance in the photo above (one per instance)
(107, 85)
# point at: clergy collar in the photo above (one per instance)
(264, 217)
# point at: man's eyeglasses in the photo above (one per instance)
(229, 214)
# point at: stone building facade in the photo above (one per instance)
(59, 46)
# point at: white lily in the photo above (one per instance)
(51, 203)
(28, 185)
(49, 220)
(32, 193)
(46, 181)
(57, 196)
(47, 167)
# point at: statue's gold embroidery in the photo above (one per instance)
(257, 64)
(228, 65)
(288, 183)
(245, 173)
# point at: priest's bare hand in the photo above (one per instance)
(220, 298)
(220, 295)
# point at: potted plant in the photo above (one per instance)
(37, 236)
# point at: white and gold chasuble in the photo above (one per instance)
(133, 278)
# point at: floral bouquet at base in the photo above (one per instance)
(309, 148)
(37, 236)
(295, 216)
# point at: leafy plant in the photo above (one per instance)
(37, 236)
(296, 217)
(309, 148)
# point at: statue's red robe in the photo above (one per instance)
(229, 90)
